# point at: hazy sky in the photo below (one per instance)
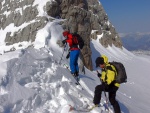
(128, 15)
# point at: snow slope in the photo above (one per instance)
(33, 81)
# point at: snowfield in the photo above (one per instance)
(33, 81)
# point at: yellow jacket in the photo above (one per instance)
(109, 72)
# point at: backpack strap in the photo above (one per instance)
(110, 68)
(105, 69)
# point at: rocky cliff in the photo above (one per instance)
(81, 16)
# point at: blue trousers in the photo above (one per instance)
(74, 61)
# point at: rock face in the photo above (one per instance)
(23, 15)
(82, 16)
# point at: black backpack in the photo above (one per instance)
(121, 76)
(77, 40)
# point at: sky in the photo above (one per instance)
(128, 16)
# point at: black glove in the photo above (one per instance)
(99, 75)
(64, 41)
(68, 55)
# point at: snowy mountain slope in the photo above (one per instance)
(35, 82)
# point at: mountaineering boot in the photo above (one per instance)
(75, 76)
(77, 73)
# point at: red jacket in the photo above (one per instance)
(69, 41)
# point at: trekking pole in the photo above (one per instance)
(107, 101)
(62, 53)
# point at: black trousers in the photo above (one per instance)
(112, 96)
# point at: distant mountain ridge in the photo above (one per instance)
(136, 41)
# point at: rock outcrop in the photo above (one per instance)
(82, 16)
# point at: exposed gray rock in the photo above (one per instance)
(7, 39)
(17, 17)
(30, 2)
(53, 8)
(27, 14)
(0, 6)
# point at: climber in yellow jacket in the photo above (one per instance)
(108, 84)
